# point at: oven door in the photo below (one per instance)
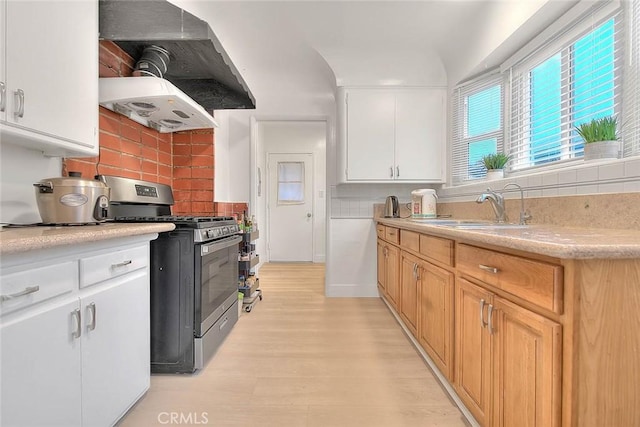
(216, 280)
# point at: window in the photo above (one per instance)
(290, 183)
(478, 127)
(561, 88)
(631, 106)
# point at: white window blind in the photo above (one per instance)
(574, 80)
(631, 96)
(478, 126)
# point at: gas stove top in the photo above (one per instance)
(182, 220)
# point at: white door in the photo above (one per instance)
(290, 207)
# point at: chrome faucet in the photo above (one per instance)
(497, 203)
(524, 216)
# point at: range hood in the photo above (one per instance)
(199, 65)
(153, 102)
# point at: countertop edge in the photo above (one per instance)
(538, 239)
(19, 240)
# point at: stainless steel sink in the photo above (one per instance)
(449, 222)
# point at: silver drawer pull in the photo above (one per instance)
(19, 94)
(28, 290)
(92, 308)
(490, 319)
(482, 323)
(121, 264)
(78, 332)
(3, 96)
(488, 268)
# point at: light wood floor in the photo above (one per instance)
(300, 359)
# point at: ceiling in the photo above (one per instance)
(315, 45)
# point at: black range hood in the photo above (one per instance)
(199, 65)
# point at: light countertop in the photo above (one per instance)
(555, 241)
(23, 239)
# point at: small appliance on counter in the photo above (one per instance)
(72, 200)
(423, 203)
(391, 207)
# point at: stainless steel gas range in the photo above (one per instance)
(194, 275)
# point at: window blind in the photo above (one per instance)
(478, 126)
(631, 103)
(558, 89)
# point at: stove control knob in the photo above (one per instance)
(211, 234)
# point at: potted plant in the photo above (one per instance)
(600, 138)
(495, 163)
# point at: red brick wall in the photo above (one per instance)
(184, 160)
(193, 172)
(230, 209)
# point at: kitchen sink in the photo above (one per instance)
(467, 224)
(485, 226)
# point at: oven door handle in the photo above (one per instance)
(219, 244)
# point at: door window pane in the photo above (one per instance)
(290, 183)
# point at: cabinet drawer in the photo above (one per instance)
(112, 264)
(26, 288)
(392, 234)
(380, 231)
(410, 240)
(437, 248)
(534, 281)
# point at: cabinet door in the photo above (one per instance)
(382, 263)
(57, 71)
(3, 63)
(40, 367)
(409, 277)
(392, 283)
(435, 329)
(370, 134)
(115, 347)
(420, 135)
(473, 349)
(527, 367)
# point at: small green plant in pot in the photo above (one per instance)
(600, 138)
(495, 163)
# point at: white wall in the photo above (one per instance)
(295, 137)
(20, 168)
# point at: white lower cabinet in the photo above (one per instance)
(79, 358)
(115, 348)
(40, 368)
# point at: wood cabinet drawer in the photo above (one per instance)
(112, 264)
(380, 231)
(26, 288)
(437, 248)
(392, 235)
(410, 240)
(535, 281)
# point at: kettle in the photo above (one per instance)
(423, 203)
(391, 207)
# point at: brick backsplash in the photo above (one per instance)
(184, 160)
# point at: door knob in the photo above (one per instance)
(308, 215)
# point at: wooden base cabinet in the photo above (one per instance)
(409, 283)
(508, 360)
(388, 271)
(435, 316)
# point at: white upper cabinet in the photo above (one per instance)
(50, 55)
(391, 134)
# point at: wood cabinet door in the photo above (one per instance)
(435, 327)
(527, 367)
(420, 134)
(392, 284)
(115, 347)
(370, 134)
(40, 367)
(409, 279)
(382, 263)
(473, 349)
